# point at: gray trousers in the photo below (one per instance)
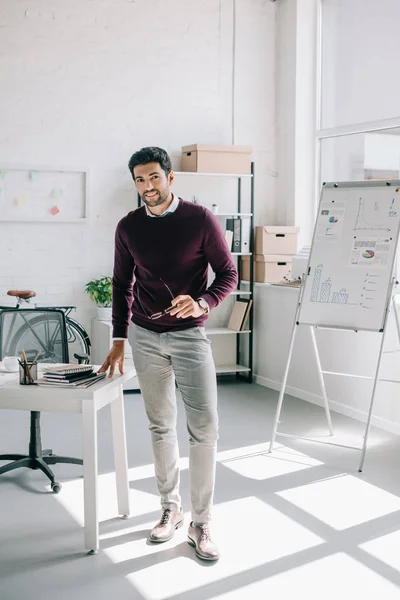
(186, 356)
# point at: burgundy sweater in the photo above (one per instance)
(160, 258)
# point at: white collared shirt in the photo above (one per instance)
(171, 208)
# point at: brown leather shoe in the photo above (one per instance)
(165, 528)
(199, 537)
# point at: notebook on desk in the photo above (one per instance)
(74, 384)
(72, 369)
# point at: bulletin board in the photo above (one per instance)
(43, 194)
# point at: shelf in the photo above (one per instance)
(241, 253)
(42, 220)
(233, 214)
(223, 331)
(237, 175)
(231, 369)
(241, 293)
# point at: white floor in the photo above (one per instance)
(300, 522)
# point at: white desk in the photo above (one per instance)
(14, 396)
(101, 336)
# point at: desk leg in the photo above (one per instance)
(90, 468)
(120, 453)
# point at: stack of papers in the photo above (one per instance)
(70, 376)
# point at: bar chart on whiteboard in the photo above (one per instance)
(352, 255)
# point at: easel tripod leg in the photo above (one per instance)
(367, 428)
(388, 306)
(396, 316)
(321, 381)
(282, 392)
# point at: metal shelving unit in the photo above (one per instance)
(244, 372)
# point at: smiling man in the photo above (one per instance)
(161, 301)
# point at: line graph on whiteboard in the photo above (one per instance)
(325, 292)
(375, 215)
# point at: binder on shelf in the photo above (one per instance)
(240, 315)
(229, 238)
(235, 225)
(245, 235)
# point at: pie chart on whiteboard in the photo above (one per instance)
(368, 254)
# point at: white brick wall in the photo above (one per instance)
(89, 82)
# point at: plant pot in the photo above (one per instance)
(103, 313)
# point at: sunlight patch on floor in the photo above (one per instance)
(267, 466)
(330, 578)
(242, 451)
(71, 498)
(343, 501)
(249, 533)
(386, 549)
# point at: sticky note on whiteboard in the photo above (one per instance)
(54, 210)
(57, 193)
(20, 200)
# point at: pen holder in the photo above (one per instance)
(28, 373)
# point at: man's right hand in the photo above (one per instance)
(116, 355)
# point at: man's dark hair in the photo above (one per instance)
(148, 155)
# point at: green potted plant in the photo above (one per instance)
(100, 292)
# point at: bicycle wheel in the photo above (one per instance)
(39, 334)
(78, 339)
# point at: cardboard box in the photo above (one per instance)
(276, 239)
(270, 268)
(203, 158)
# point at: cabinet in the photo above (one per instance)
(242, 365)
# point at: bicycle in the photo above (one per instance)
(78, 338)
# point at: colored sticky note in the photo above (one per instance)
(56, 193)
(54, 210)
(2, 174)
(20, 200)
(33, 175)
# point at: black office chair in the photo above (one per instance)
(31, 331)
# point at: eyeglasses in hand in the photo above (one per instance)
(159, 314)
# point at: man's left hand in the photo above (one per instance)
(186, 307)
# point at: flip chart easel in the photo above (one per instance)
(349, 282)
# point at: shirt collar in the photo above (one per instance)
(171, 208)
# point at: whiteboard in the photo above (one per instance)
(43, 194)
(352, 255)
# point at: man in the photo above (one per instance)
(162, 254)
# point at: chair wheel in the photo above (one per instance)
(56, 487)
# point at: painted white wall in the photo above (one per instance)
(296, 34)
(88, 83)
(360, 53)
(342, 158)
(340, 351)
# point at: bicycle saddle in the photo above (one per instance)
(24, 294)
